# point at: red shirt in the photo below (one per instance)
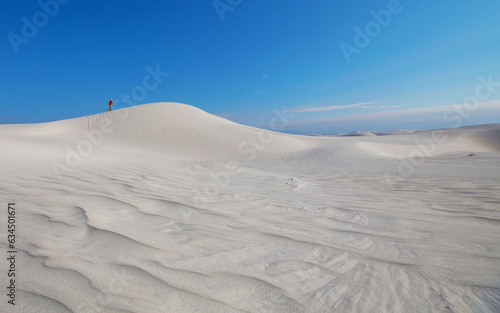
(111, 102)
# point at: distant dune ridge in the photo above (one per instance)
(163, 207)
(480, 138)
(183, 131)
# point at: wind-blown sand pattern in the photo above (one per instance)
(311, 224)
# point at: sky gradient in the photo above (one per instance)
(244, 60)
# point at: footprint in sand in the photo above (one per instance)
(293, 184)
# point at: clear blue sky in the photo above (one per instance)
(253, 57)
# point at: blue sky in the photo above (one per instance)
(245, 60)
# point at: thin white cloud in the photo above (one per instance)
(435, 112)
(331, 107)
(389, 106)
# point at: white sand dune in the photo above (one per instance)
(166, 208)
(482, 138)
(171, 129)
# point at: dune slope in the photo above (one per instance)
(172, 129)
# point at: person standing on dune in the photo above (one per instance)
(110, 105)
